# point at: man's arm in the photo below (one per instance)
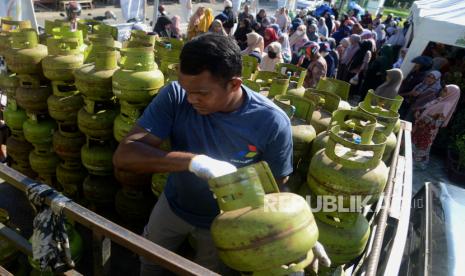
(139, 152)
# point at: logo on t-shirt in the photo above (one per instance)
(245, 156)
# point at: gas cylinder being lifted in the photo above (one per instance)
(249, 237)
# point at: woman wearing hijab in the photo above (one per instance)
(283, 39)
(206, 20)
(354, 46)
(341, 33)
(240, 34)
(432, 116)
(297, 41)
(217, 27)
(359, 65)
(193, 29)
(282, 19)
(163, 27)
(176, 27)
(260, 15)
(376, 72)
(227, 17)
(390, 88)
(322, 28)
(255, 46)
(380, 35)
(328, 21)
(423, 93)
(317, 68)
(272, 57)
(342, 47)
(270, 36)
(312, 33)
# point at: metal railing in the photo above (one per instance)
(102, 230)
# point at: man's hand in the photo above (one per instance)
(206, 167)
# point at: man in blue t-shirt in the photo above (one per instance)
(214, 124)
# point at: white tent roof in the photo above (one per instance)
(440, 21)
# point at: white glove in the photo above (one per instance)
(321, 258)
(206, 167)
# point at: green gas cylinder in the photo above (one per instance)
(93, 80)
(39, 130)
(348, 168)
(100, 189)
(344, 237)
(18, 149)
(95, 119)
(258, 233)
(300, 111)
(67, 145)
(25, 54)
(64, 57)
(70, 175)
(32, 94)
(134, 206)
(138, 79)
(326, 103)
(97, 156)
(352, 121)
(9, 82)
(64, 104)
(385, 103)
(15, 118)
(386, 123)
(129, 113)
(297, 76)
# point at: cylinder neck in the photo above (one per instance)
(105, 60)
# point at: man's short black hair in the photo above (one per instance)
(220, 55)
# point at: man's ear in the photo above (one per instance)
(235, 83)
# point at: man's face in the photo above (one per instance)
(207, 94)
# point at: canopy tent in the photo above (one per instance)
(441, 21)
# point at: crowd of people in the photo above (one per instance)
(364, 50)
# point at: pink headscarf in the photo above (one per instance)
(443, 105)
(176, 23)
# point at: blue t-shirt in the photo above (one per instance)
(257, 131)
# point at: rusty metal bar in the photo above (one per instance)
(375, 253)
(116, 233)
